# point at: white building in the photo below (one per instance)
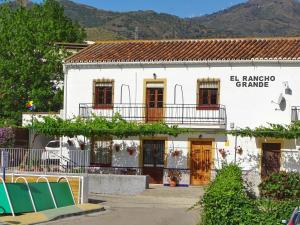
(207, 85)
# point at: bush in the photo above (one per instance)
(274, 211)
(7, 137)
(281, 186)
(226, 202)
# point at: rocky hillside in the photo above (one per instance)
(253, 18)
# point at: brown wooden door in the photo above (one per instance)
(201, 162)
(270, 159)
(154, 104)
(153, 160)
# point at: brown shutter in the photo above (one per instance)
(200, 96)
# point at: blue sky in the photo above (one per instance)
(182, 8)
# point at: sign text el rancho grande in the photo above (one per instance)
(252, 81)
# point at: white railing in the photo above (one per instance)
(42, 161)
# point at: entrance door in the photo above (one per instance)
(153, 160)
(270, 159)
(155, 102)
(201, 162)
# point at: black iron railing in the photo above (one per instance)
(295, 113)
(170, 114)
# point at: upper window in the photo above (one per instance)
(103, 94)
(208, 94)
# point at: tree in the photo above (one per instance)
(30, 64)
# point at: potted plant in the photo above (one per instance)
(131, 150)
(239, 150)
(174, 177)
(82, 145)
(223, 153)
(176, 153)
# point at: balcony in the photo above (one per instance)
(295, 113)
(183, 115)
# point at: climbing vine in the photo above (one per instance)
(290, 131)
(101, 127)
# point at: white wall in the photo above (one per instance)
(245, 106)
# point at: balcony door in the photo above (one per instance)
(154, 102)
(201, 162)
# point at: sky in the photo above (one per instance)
(182, 8)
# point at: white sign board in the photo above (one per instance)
(4, 159)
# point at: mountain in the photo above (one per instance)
(253, 18)
(148, 24)
(256, 18)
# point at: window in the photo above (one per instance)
(208, 94)
(101, 152)
(103, 94)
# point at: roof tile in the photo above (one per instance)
(190, 50)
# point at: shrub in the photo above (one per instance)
(7, 137)
(272, 212)
(281, 186)
(225, 201)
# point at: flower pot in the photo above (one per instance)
(130, 150)
(173, 183)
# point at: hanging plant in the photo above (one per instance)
(131, 150)
(223, 153)
(176, 153)
(239, 150)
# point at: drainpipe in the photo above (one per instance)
(235, 146)
(65, 90)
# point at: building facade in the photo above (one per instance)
(209, 86)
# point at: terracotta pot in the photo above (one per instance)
(173, 183)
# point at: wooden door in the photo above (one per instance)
(154, 104)
(201, 162)
(270, 159)
(153, 160)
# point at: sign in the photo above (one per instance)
(4, 159)
(252, 81)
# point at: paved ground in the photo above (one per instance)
(47, 215)
(157, 206)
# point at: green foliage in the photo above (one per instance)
(291, 131)
(272, 212)
(6, 122)
(225, 200)
(30, 64)
(101, 127)
(7, 137)
(272, 18)
(281, 186)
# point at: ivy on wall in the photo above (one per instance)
(101, 127)
(290, 131)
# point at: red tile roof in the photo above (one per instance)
(190, 50)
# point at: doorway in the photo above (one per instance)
(270, 159)
(154, 102)
(201, 161)
(153, 160)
